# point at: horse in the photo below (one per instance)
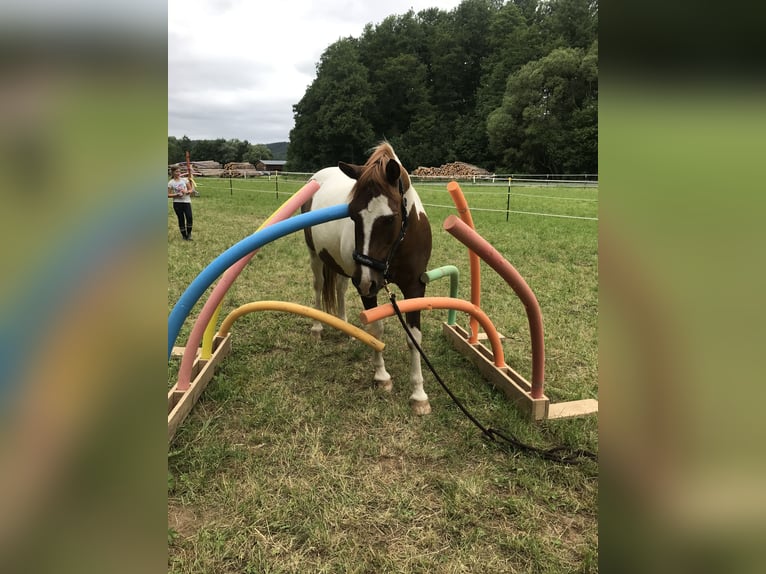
(386, 238)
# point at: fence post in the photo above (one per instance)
(231, 191)
(508, 200)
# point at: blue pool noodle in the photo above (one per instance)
(236, 252)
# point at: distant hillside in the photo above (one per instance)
(278, 150)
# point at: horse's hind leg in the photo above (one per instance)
(341, 285)
(317, 267)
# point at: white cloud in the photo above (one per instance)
(236, 67)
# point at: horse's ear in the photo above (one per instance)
(393, 171)
(351, 170)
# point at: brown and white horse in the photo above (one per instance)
(386, 238)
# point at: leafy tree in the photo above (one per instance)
(256, 152)
(510, 46)
(175, 153)
(398, 85)
(186, 144)
(394, 36)
(470, 140)
(220, 150)
(427, 141)
(228, 151)
(332, 119)
(547, 121)
(569, 23)
(471, 27)
(527, 8)
(208, 149)
(402, 56)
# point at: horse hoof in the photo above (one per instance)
(386, 385)
(316, 334)
(420, 407)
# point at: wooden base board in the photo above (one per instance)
(178, 352)
(515, 387)
(180, 402)
(482, 336)
(572, 409)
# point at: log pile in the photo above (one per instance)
(208, 168)
(239, 169)
(454, 169)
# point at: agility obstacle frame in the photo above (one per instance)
(198, 364)
(528, 397)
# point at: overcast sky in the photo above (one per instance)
(237, 67)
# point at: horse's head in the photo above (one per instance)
(378, 210)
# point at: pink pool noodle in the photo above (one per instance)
(187, 361)
(508, 272)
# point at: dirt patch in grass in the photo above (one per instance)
(183, 520)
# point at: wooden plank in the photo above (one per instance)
(572, 409)
(180, 403)
(179, 352)
(515, 387)
(490, 357)
(173, 397)
(482, 336)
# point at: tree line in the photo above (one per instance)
(510, 86)
(221, 150)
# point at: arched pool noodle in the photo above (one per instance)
(477, 244)
(226, 259)
(205, 324)
(421, 303)
(284, 211)
(461, 204)
(310, 312)
(445, 271)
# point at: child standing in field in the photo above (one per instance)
(180, 190)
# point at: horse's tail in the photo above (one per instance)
(329, 290)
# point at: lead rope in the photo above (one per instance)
(560, 454)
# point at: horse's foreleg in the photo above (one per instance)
(381, 379)
(418, 399)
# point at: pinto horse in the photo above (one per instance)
(386, 238)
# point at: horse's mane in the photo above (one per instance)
(375, 167)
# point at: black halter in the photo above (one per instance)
(377, 264)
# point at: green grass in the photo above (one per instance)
(291, 462)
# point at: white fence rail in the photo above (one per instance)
(503, 188)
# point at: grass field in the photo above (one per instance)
(291, 462)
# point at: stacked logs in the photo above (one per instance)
(239, 169)
(208, 168)
(454, 169)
